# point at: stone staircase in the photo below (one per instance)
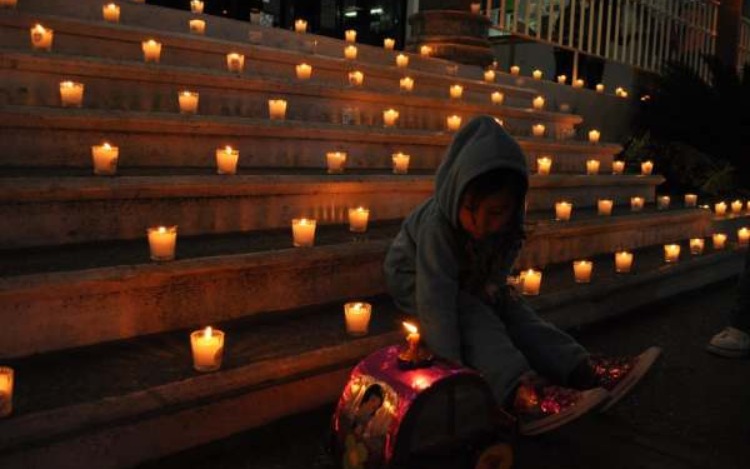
(98, 334)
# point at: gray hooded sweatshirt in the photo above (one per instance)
(427, 263)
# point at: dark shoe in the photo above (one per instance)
(542, 407)
(618, 375)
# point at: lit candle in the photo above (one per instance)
(531, 282)
(197, 26)
(402, 61)
(636, 204)
(335, 161)
(620, 92)
(561, 79)
(357, 316)
(6, 391)
(623, 262)
(356, 78)
(196, 7)
(497, 97)
(303, 232)
(720, 208)
(646, 168)
(747, 206)
(71, 93)
(543, 165)
(489, 76)
(104, 158)
(582, 271)
(594, 136)
(604, 207)
(737, 207)
(350, 35)
(691, 200)
(538, 103)
(719, 240)
(671, 253)
(276, 109)
(697, 245)
(474, 7)
(578, 83)
(499, 122)
(188, 102)
(350, 52)
(151, 50)
(456, 91)
(563, 211)
(208, 349)
(389, 43)
(400, 163)
(304, 71)
(390, 116)
(618, 167)
(453, 122)
(41, 38)
(8, 3)
(406, 84)
(111, 13)
(226, 160)
(162, 241)
(537, 74)
(600, 88)
(592, 167)
(515, 70)
(538, 130)
(300, 26)
(358, 218)
(235, 62)
(743, 236)
(425, 51)
(662, 202)
(413, 338)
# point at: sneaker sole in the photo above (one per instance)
(727, 353)
(645, 361)
(593, 399)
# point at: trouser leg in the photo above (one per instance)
(739, 316)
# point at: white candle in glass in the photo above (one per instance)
(662, 202)
(604, 207)
(406, 84)
(636, 204)
(720, 208)
(561, 79)
(538, 130)
(578, 83)
(594, 136)
(646, 168)
(350, 52)
(456, 91)
(582, 271)
(671, 253)
(151, 50)
(515, 70)
(197, 26)
(400, 163)
(277, 109)
(356, 78)
(235, 62)
(697, 245)
(357, 316)
(304, 71)
(300, 26)
(497, 97)
(389, 43)
(538, 103)
(563, 210)
(111, 13)
(623, 262)
(489, 76)
(41, 37)
(226, 160)
(6, 391)
(453, 122)
(358, 218)
(743, 236)
(618, 167)
(537, 74)
(303, 232)
(425, 51)
(196, 7)
(402, 61)
(531, 282)
(208, 349)
(474, 7)
(71, 93)
(691, 200)
(592, 167)
(390, 116)
(104, 159)
(719, 240)
(350, 35)
(737, 207)
(600, 88)
(188, 102)
(162, 241)
(543, 166)
(335, 161)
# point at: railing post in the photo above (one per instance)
(728, 32)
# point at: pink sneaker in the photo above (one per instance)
(618, 375)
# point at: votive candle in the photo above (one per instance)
(456, 91)
(647, 167)
(357, 317)
(197, 26)
(561, 79)
(578, 83)
(400, 163)
(425, 51)
(719, 240)
(543, 166)
(41, 37)
(563, 211)
(390, 116)
(600, 88)
(618, 167)
(696, 246)
(691, 200)
(208, 349)
(350, 35)
(335, 161)
(743, 236)
(389, 43)
(277, 109)
(636, 204)
(592, 167)
(151, 50)
(497, 97)
(604, 207)
(623, 262)
(402, 61)
(196, 7)
(537, 74)
(71, 93)
(303, 232)
(406, 84)
(594, 136)
(531, 281)
(489, 76)
(737, 207)
(235, 62)
(453, 122)
(662, 202)
(358, 218)
(6, 391)
(720, 208)
(300, 26)
(111, 13)
(188, 102)
(226, 160)
(350, 52)
(356, 78)
(538, 130)
(538, 103)
(515, 70)
(162, 241)
(104, 158)
(671, 253)
(304, 71)
(582, 271)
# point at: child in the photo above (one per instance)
(449, 265)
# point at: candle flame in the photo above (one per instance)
(207, 332)
(67, 84)
(411, 328)
(228, 149)
(151, 43)
(111, 6)
(162, 229)
(106, 146)
(39, 28)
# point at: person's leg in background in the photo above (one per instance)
(734, 340)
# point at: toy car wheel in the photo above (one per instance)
(497, 456)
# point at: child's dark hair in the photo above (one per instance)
(374, 390)
(492, 182)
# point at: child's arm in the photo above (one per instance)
(437, 290)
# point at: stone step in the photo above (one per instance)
(53, 210)
(100, 406)
(168, 139)
(87, 294)
(33, 79)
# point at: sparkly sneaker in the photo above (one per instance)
(542, 407)
(731, 343)
(618, 375)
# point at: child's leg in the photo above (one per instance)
(488, 348)
(549, 350)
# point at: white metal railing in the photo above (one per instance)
(645, 34)
(743, 48)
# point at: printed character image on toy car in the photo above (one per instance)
(404, 408)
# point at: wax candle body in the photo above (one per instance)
(538, 103)
(623, 262)
(357, 316)
(188, 102)
(453, 122)
(582, 271)
(537, 74)
(578, 83)
(515, 70)
(636, 204)
(544, 165)
(400, 163)
(151, 51)
(356, 78)
(300, 26)
(6, 391)
(697, 245)
(456, 91)
(197, 26)
(646, 168)
(162, 241)
(277, 109)
(105, 158)
(41, 38)
(196, 7)
(531, 282)
(402, 61)
(303, 232)
(561, 79)
(358, 218)
(662, 202)
(489, 76)
(691, 200)
(592, 167)
(743, 236)
(599, 88)
(671, 253)
(208, 349)
(71, 94)
(350, 52)
(618, 167)
(563, 211)
(226, 160)
(604, 207)
(594, 136)
(720, 208)
(111, 13)
(335, 161)
(425, 51)
(350, 35)
(497, 97)
(538, 130)
(235, 62)
(304, 71)
(390, 116)
(389, 43)
(736, 207)
(406, 84)
(474, 7)
(719, 240)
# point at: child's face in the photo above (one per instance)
(488, 217)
